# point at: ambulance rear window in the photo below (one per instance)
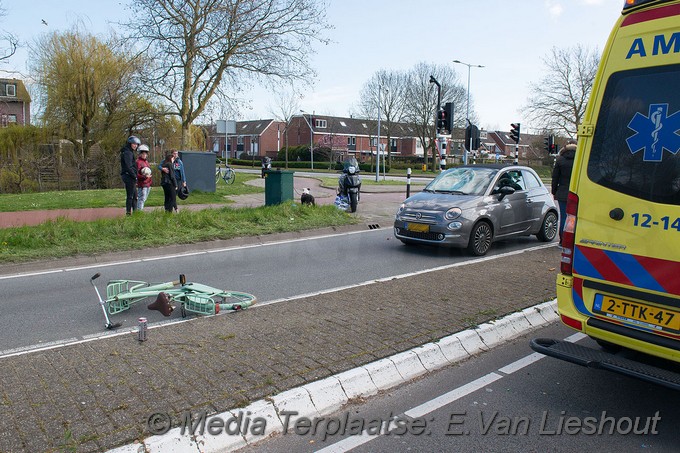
(636, 146)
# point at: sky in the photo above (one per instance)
(508, 38)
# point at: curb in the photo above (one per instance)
(328, 395)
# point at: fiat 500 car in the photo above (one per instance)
(473, 206)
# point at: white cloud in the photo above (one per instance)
(555, 9)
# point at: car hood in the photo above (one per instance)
(440, 201)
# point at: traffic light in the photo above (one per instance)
(471, 134)
(550, 144)
(448, 109)
(514, 132)
(441, 120)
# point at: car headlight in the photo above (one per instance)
(401, 208)
(453, 213)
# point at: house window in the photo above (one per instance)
(374, 140)
(11, 119)
(321, 124)
(351, 141)
(12, 91)
(239, 140)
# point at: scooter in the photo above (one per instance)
(349, 184)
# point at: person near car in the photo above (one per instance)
(143, 176)
(561, 175)
(169, 183)
(128, 173)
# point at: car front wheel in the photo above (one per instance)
(480, 239)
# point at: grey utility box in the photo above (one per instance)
(199, 169)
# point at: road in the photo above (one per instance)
(509, 399)
(60, 305)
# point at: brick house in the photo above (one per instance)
(343, 136)
(15, 103)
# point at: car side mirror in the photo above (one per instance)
(505, 190)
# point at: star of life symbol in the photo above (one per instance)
(654, 133)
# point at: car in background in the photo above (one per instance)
(472, 206)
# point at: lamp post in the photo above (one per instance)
(467, 115)
(311, 137)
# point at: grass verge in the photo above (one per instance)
(62, 237)
(115, 198)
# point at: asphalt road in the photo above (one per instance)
(60, 305)
(506, 400)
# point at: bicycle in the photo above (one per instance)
(227, 174)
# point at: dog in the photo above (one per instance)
(307, 198)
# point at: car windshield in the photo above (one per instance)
(463, 181)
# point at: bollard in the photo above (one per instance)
(408, 182)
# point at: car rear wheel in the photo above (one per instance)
(548, 227)
(480, 239)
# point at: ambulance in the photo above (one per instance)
(619, 279)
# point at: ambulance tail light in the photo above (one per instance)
(567, 260)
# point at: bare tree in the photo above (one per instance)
(421, 101)
(390, 88)
(202, 48)
(558, 102)
(287, 105)
(11, 41)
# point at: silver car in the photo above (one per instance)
(472, 206)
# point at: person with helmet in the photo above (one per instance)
(143, 176)
(128, 173)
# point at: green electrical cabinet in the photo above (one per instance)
(278, 186)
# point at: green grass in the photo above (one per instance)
(105, 198)
(63, 238)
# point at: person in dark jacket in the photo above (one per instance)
(561, 176)
(169, 183)
(128, 173)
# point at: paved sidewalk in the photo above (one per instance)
(97, 395)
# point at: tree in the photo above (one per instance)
(390, 88)
(558, 102)
(287, 105)
(198, 49)
(85, 85)
(11, 41)
(421, 101)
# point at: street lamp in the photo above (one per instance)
(311, 137)
(467, 115)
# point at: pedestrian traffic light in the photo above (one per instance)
(514, 132)
(441, 120)
(448, 109)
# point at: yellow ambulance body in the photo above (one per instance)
(619, 279)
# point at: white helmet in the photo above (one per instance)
(143, 148)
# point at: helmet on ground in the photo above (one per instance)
(143, 149)
(146, 171)
(183, 193)
(132, 139)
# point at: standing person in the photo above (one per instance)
(143, 176)
(128, 173)
(169, 183)
(561, 175)
(178, 169)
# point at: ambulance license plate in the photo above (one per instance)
(637, 313)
